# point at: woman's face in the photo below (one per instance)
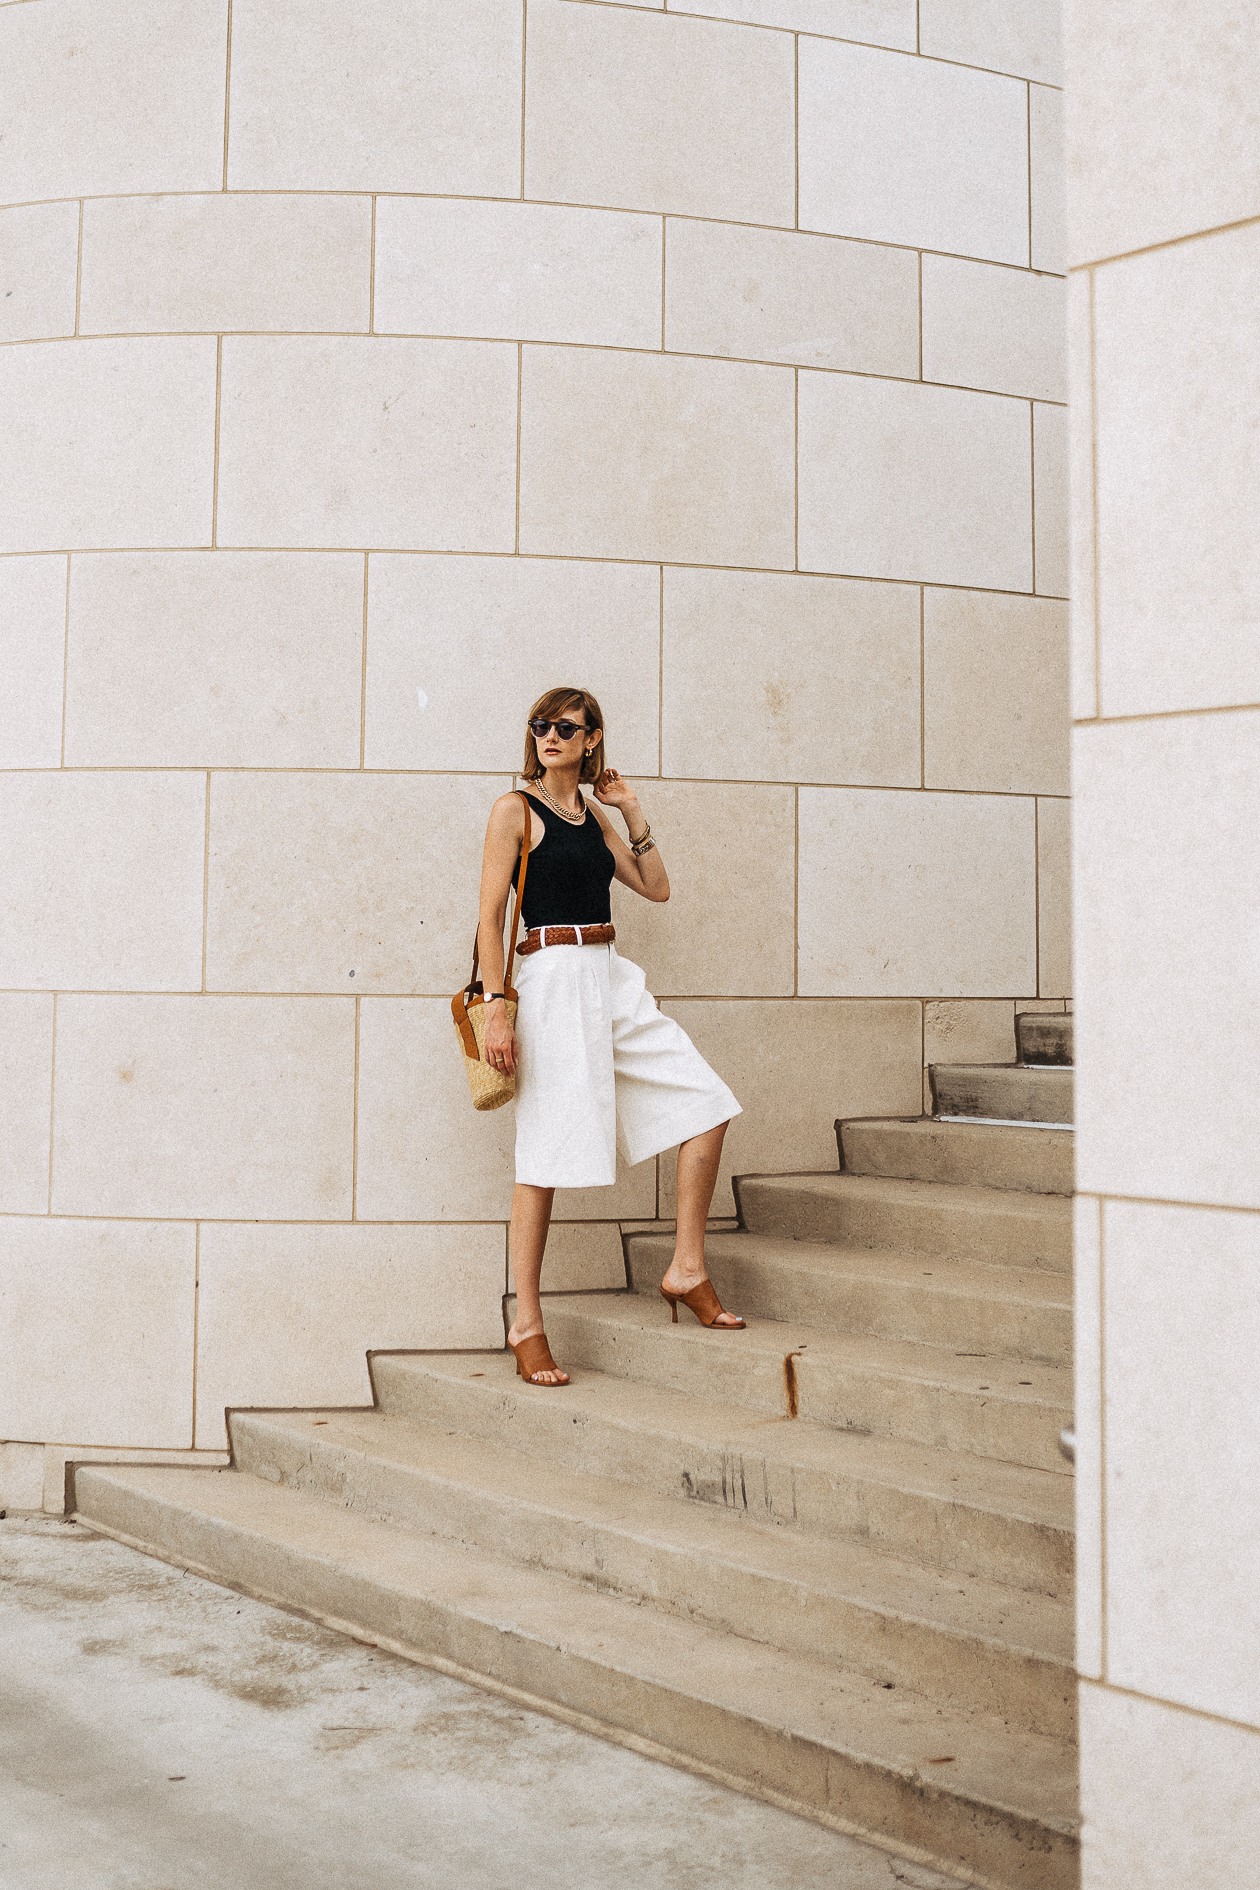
(554, 752)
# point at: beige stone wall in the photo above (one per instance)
(366, 370)
(1164, 157)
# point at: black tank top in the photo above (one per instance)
(570, 871)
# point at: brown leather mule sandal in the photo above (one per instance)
(704, 1303)
(533, 1355)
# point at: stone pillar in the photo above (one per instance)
(370, 369)
(1164, 167)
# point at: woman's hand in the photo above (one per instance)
(612, 791)
(500, 1039)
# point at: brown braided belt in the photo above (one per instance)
(541, 935)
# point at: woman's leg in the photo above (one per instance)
(697, 1177)
(531, 1218)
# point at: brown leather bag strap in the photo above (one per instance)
(516, 916)
(520, 887)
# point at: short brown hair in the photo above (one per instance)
(553, 705)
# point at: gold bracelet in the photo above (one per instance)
(646, 845)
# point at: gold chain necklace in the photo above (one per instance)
(574, 819)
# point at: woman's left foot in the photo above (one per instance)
(699, 1296)
(534, 1362)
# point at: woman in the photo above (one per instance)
(596, 1058)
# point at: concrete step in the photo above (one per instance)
(999, 1521)
(1013, 1092)
(947, 1395)
(971, 1154)
(978, 1647)
(1043, 1038)
(988, 1224)
(930, 1301)
(966, 1789)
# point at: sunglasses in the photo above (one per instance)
(565, 730)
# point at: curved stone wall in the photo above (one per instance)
(367, 370)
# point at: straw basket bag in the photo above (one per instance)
(490, 1088)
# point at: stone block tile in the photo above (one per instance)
(775, 295)
(409, 444)
(913, 151)
(1087, 1420)
(107, 443)
(1182, 1328)
(706, 129)
(225, 261)
(200, 659)
(771, 677)
(995, 328)
(39, 258)
(633, 1194)
(1081, 496)
(446, 634)
(903, 481)
(865, 1060)
(656, 457)
(425, 1154)
(1179, 557)
(21, 1477)
(726, 930)
(1132, 130)
(134, 89)
(1166, 886)
(1019, 36)
(103, 877)
(96, 1319)
(378, 96)
(220, 1107)
(32, 660)
(1168, 1798)
(1054, 895)
(995, 693)
(878, 22)
(1048, 183)
(354, 883)
(969, 1030)
(582, 1257)
(517, 271)
(924, 894)
(287, 1314)
(26, 1059)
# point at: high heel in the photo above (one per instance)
(533, 1355)
(704, 1303)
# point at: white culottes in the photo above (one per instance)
(599, 1064)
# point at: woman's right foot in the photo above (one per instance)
(534, 1362)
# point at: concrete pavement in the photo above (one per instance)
(160, 1733)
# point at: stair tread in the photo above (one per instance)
(1011, 1157)
(1040, 1497)
(1049, 1072)
(869, 1577)
(898, 1267)
(773, 1339)
(1006, 1202)
(992, 1765)
(1000, 1130)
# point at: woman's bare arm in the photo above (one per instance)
(498, 870)
(645, 875)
